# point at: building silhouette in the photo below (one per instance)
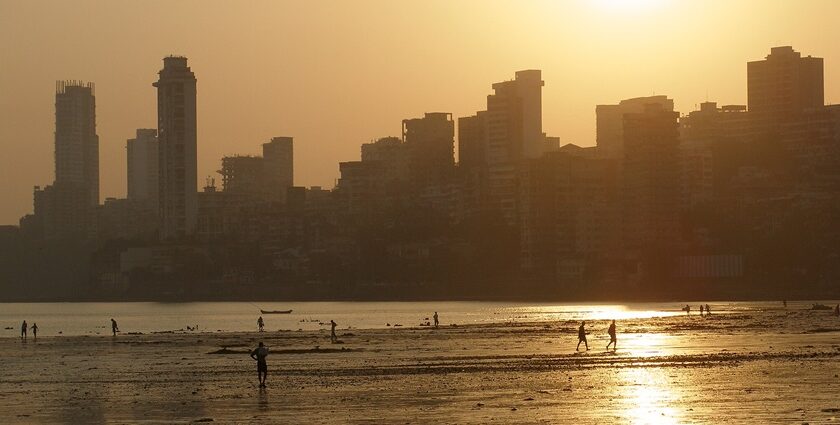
(784, 83)
(278, 157)
(177, 138)
(143, 169)
(430, 145)
(651, 188)
(609, 121)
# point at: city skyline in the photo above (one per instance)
(324, 139)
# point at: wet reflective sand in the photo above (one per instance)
(762, 366)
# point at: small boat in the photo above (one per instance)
(275, 311)
(821, 307)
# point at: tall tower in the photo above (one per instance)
(76, 142)
(142, 155)
(177, 148)
(784, 83)
(279, 163)
(431, 147)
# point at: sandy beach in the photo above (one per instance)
(770, 367)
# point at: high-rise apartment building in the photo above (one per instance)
(278, 156)
(784, 83)
(177, 139)
(143, 165)
(430, 144)
(76, 142)
(609, 121)
(651, 172)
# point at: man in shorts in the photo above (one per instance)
(259, 354)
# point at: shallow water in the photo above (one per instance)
(94, 318)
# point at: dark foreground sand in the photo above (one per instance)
(668, 370)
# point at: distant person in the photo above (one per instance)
(708, 310)
(114, 327)
(259, 354)
(837, 310)
(582, 337)
(784, 303)
(701, 310)
(23, 328)
(687, 309)
(260, 323)
(611, 332)
(34, 329)
(333, 337)
(435, 317)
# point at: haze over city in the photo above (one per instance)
(337, 74)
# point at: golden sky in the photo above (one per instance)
(335, 74)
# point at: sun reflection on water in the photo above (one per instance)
(648, 397)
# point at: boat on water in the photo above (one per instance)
(275, 311)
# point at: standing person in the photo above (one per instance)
(708, 310)
(23, 328)
(687, 310)
(701, 310)
(114, 327)
(582, 337)
(260, 323)
(613, 341)
(333, 338)
(34, 330)
(259, 354)
(784, 303)
(837, 310)
(436, 319)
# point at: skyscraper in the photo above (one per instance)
(177, 140)
(142, 156)
(784, 83)
(651, 181)
(609, 121)
(430, 142)
(278, 156)
(76, 142)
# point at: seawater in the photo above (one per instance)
(94, 318)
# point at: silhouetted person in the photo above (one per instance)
(114, 327)
(436, 319)
(687, 309)
(701, 310)
(23, 328)
(837, 310)
(613, 341)
(582, 337)
(784, 303)
(259, 354)
(34, 330)
(260, 323)
(708, 310)
(333, 338)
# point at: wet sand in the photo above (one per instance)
(757, 367)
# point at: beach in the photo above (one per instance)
(762, 366)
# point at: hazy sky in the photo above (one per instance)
(335, 74)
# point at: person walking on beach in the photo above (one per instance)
(23, 328)
(34, 330)
(333, 338)
(436, 319)
(260, 323)
(687, 309)
(611, 331)
(708, 310)
(582, 337)
(701, 310)
(114, 327)
(259, 354)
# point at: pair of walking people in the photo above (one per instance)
(24, 327)
(582, 336)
